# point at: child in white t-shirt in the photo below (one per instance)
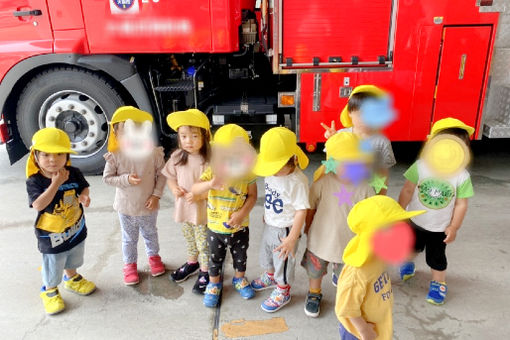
(444, 197)
(286, 203)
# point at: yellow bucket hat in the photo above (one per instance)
(365, 218)
(345, 119)
(49, 140)
(227, 134)
(191, 117)
(446, 154)
(277, 146)
(343, 147)
(122, 114)
(448, 123)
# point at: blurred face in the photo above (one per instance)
(357, 122)
(51, 163)
(190, 139)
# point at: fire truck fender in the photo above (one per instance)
(117, 67)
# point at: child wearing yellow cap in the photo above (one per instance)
(439, 183)
(228, 208)
(373, 140)
(364, 298)
(58, 192)
(286, 202)
(133, 167)
(182, 170)
(338, 184)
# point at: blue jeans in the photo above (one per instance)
(345, 335)
(54, 264)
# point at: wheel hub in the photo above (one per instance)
(80, 117)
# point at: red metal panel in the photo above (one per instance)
(22, 37)
(71, 41)
(170, 26)
(461, 72)
(65, 15)
(335, 29)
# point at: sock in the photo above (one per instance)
(315, 291)
(190, 262)
(270, 274)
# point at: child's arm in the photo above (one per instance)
(237, 217)
(365, 329)
(110, 176)
(58, 178)
(288, 245)
(84, 197)
(310, 213)
(204, 186)
(459, 211)
(406, 194)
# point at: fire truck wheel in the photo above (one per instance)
(77, 101)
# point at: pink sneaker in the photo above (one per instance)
(130, 274)
(157, 267)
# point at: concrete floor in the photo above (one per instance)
(479, 278)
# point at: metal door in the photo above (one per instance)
(461, 73)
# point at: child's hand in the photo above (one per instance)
(178, 192)
(84, 200)
(330, 131)
(288, 247)
(133, 179)
(216, 184)
(236, 219)
(190, 198)
(152, 203)
(60, 177)
(368, 333)
(451, 234)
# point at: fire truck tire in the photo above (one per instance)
(77, 101)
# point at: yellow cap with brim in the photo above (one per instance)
(191, 117)
(365, 218)
(277, 146)
(122, 114)
(49, 140)
(446, 154)
(345, 119)
(229, 133)
(449, 123)
(343, 147)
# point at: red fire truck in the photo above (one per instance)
(71, 63)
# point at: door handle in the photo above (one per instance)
(462, 66)
(32, 13)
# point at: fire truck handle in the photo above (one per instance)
(34, 12)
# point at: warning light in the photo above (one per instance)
(286, 100)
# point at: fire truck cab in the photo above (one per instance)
(71, 63)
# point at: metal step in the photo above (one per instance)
(497, 124)
(177, 86)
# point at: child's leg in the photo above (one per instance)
(284, 269)
(202, 249)
(316, 268)
(149, 231)
(435, 256)
(218, 250)
(52, 269)
(266, 279)
(130, 232)
(191, 246)
(239, 243)
(73, 281)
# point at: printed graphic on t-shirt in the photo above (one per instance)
(435, 193)
(273, 200)
(381, 286)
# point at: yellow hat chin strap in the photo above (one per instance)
(32, 168)
(113, 144)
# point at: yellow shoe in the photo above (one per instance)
(79, 285)
(52, 301)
